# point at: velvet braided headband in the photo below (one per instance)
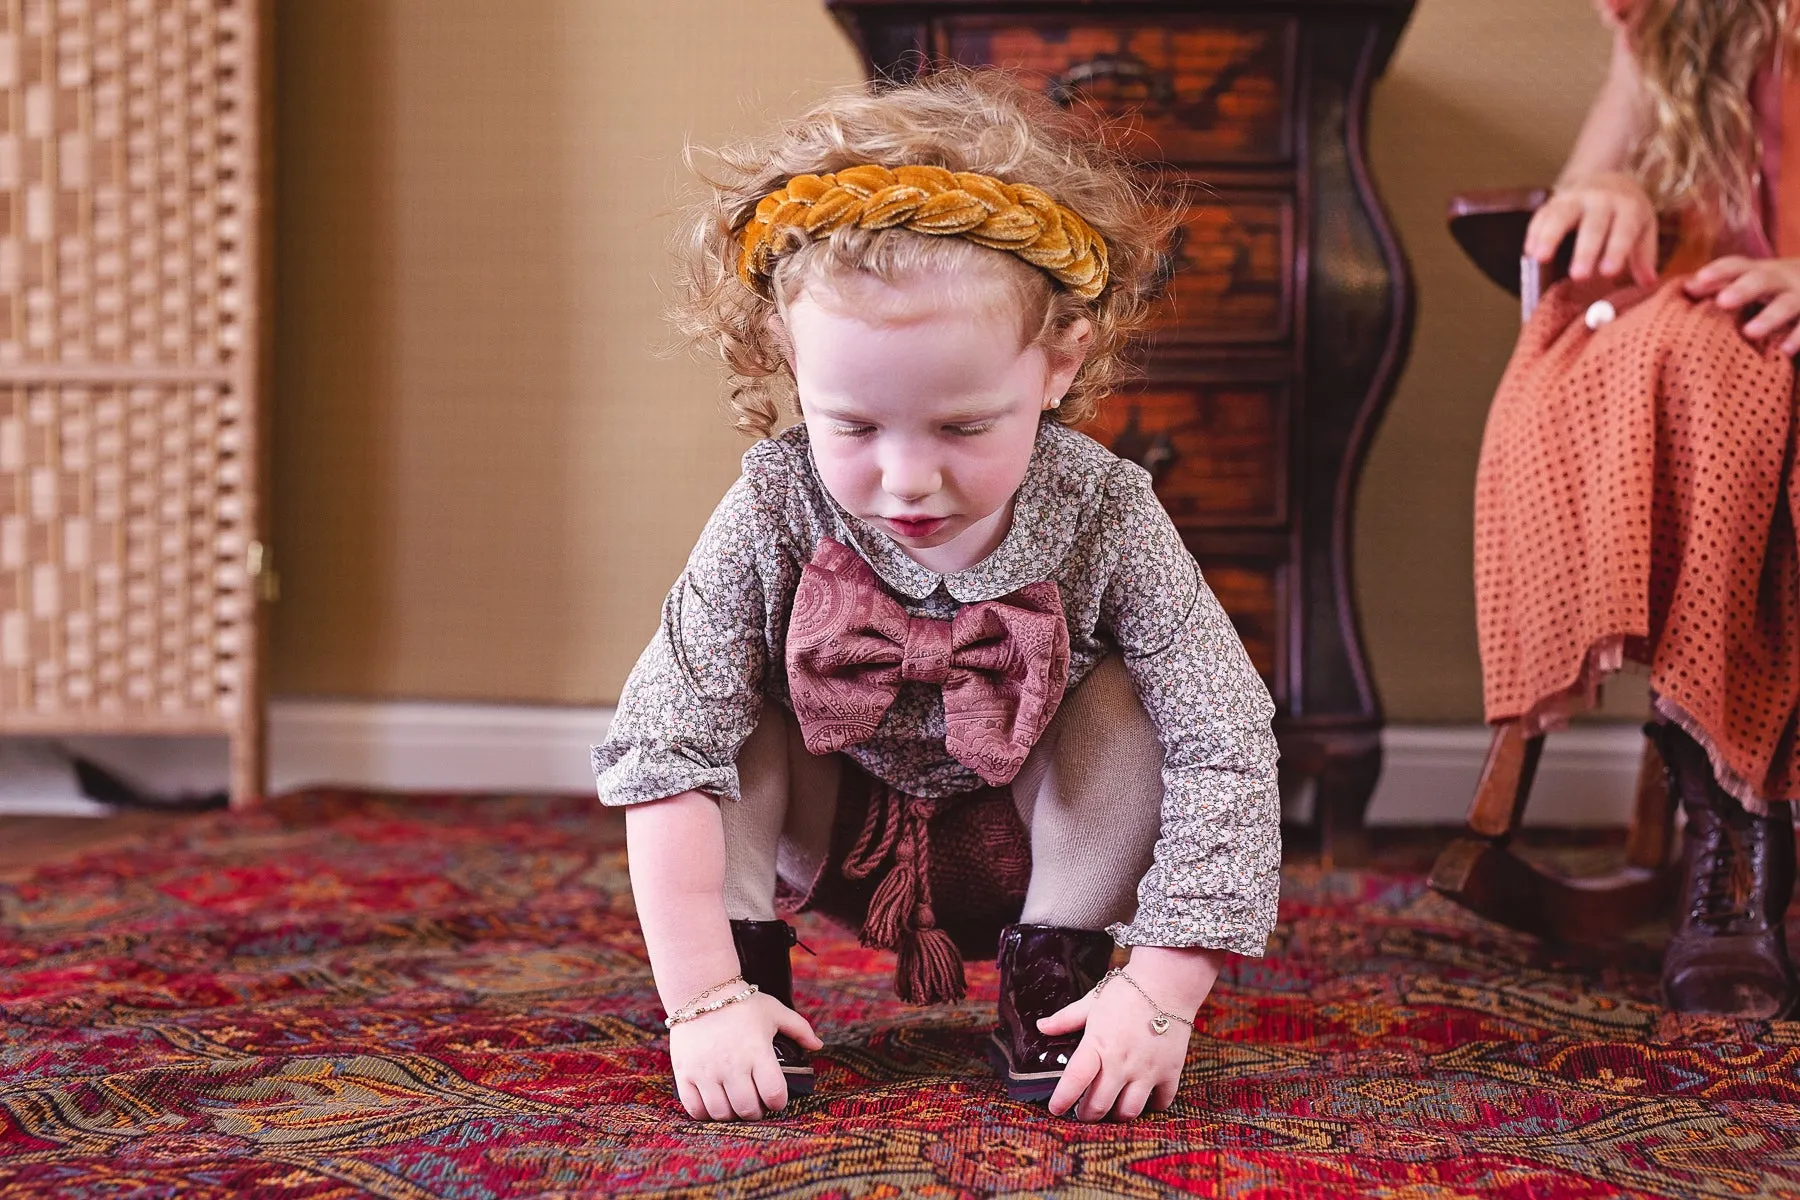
(1015, 217)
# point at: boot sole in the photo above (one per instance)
(1028, 1087)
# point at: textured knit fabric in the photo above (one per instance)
(1083, 520)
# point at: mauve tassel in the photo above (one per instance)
(930, 969)
(894, 897)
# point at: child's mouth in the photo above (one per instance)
(915, 527)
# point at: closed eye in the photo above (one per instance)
(969, 430)
(852, 431)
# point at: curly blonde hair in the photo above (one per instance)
(1699, 60)
(977, 121)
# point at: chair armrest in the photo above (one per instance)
(1490, 227)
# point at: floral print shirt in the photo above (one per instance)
(1084, 519)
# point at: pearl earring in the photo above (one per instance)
(1056, 403)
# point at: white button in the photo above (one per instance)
(1600, 312)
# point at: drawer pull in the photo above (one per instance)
(1153, 452)
(1066, 88)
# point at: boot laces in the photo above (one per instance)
(1722, 890)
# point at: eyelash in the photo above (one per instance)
(860, 431)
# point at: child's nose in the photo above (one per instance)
(910, 478)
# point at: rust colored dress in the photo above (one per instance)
(1635, 501)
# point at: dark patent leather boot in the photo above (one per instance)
(1729, 951)
(1042, 968)
(762, 950)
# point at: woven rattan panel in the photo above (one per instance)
(127, 431)
(121, 548)
(122, 172)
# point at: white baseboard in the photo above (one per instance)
(1587, 775)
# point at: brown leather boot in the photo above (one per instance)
(1729, 951)
(762, 950)
(1042, 968)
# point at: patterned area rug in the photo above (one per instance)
(433, 997)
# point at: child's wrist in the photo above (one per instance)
(1179, 977)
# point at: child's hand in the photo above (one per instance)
(1123, 1066)
(1615, 226)
(1735, 282)
(724, 1062)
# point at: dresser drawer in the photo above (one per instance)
(1213, 90)
(1228, 272)
(1218, 450)
(1252, 595)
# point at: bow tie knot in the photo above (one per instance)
(928, 648)
(1003, 664)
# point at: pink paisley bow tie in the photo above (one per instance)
(1003, 663)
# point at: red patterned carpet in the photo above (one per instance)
(424, 998)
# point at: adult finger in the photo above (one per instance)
(798, 1028)
(1791, 344)
(1132, 1099)
(1590, 237)
(1549, 226)
(1068, 1018)
(718, 1106)
(1100, 1096)
(740, 1090)
(1778, 313)
(690, 1099)
(1163, 1094)
(1083, 1066)
(771, 1084)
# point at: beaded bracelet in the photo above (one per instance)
(717, 987)
(674, 1019)
(1159, 1024)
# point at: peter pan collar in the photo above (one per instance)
(1061, 488)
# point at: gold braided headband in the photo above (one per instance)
(989, 212)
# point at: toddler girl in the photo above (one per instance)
(939, 665)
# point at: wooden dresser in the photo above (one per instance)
(1285, 319)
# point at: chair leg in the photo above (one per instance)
(1482, 874)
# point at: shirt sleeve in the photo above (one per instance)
(1215, 876)
(697, 690)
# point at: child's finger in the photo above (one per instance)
(1716, 274)
(1549, 226)
(1083, 1066)
(1622, 242)
(1776, 314)
(798, 1028)
(712, 1096)
(1750, 286)
(1132, 1099)
(689, 1096)
(740, 1090)
(771, 1084)
(1643, 257)
(1068, 1018)
(1100, 1096)
(1163, 1094)
(1590, 236)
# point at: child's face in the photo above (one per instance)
(922, 406)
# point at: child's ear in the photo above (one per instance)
(1067, 349)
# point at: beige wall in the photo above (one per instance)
(486, 475)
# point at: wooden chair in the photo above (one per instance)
(1480, 869)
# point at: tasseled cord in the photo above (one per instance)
(900, 918)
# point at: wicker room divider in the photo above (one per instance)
(133, 370)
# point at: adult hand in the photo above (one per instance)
(1735, 282)
(724, 1062)
(1614, 224)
